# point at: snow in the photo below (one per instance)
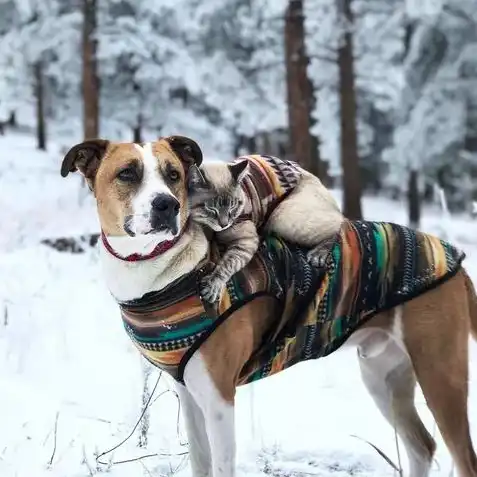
(35, 201)
(66, 363)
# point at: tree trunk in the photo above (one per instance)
(349, 136)
(90, 71)
(315, 141)
(12, 120)
(413, 196)
(414, 199)
(266, 143)
(251, 145)
(304, 147)
(239, 141)
(137, 129)
(40, 105)
(137, 133)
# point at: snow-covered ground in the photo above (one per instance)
(71, 383)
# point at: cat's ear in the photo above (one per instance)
(196, 180)
(238, 170)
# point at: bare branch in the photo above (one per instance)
(134, 428)
(381, 453)
(55, 435)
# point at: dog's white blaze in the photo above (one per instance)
(218, 415)
(152, 184)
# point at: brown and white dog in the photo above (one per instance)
(141, 193)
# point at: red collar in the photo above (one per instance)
(159, 249)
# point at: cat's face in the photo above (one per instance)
(218, 213)
(216, 195)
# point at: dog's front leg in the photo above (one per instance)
(199, 449)
(218, 414)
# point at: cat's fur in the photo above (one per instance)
(219, 201)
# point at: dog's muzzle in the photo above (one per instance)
(165, 209)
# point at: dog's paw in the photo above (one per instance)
(317, 258)
(211, 288)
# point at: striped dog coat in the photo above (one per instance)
(372, 267)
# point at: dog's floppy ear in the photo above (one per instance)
(85, 157)
(187, 149)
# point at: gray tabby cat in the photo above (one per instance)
(229, 199)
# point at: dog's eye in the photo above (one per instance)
(174, 175)
(129, 174)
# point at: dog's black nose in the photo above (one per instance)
(165, 204)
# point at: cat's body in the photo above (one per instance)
(236, 200)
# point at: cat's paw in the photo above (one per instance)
(211, 287)
(317, 258)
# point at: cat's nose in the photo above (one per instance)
(223, 222)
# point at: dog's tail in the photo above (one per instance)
(472, 300)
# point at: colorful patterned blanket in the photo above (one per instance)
(372, 267)
(269, 180)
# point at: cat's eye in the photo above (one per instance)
(129, 174)
(211, 210)
(235, 207)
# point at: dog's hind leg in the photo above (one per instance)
(436, 330)
(388, 375)
(199, 449)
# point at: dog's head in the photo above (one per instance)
(139, 188)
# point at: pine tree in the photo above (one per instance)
(38, 74)
(299, 87)
(348, 119)
(90, 83)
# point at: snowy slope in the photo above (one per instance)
(35, 201)
(71, 383)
